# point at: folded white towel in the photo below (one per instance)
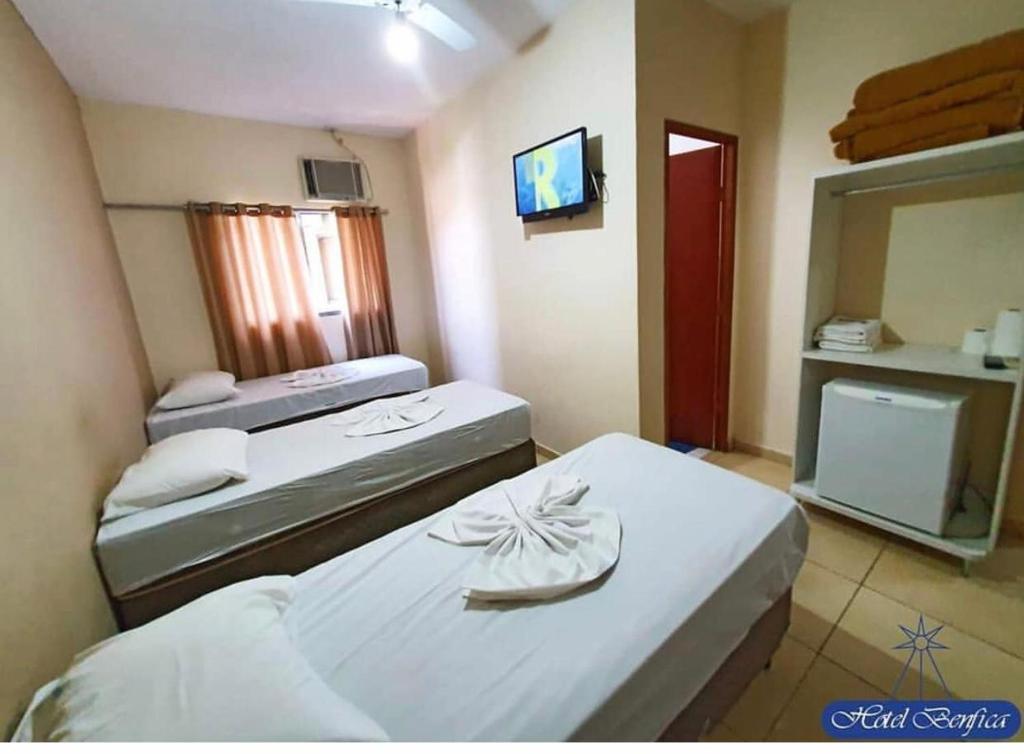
(835, 345)
(849, 327)
(319, 376)
(852, 340)
(389, 415)
(856, 333)
(540, 543)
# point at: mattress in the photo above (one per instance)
(304, 471)
(704, 554)
(268, 400)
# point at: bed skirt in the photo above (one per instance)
(746, 662)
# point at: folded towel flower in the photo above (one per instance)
(389, 415)
(539, 543)
(318, 376)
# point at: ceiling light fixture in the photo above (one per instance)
(401, 41)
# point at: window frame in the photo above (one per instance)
(325, 306)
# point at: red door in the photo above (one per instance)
(692, 256)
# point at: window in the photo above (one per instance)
(323, 256)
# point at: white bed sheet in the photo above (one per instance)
(267, 400)
(306, 470)
(704, 554)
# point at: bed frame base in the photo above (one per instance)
(748, 660)
(317, 541)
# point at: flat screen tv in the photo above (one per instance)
(552, 178)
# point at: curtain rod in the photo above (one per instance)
(205, 207)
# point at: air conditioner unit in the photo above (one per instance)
(333, 180)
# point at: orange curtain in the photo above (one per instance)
(256, 284)
(370, 330)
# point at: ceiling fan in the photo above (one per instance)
(401, 41)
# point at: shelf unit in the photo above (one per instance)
(944, 360)
(948, 164)
(968, 549)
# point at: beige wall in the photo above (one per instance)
(816, 58)
(928, 286)
(545, 310)
(688, 68)
(752, 408)
(74, 377)
(160, 156)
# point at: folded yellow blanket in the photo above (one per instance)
(999, 115)
(1002, 53)
(984, 87)
(955, 136)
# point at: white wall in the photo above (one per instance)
(74, 377)
(544, 310)
(159, 156)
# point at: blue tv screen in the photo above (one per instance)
(551, 179)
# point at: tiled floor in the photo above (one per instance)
(855, 589)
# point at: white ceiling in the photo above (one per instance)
(288, 61)
(750, 10)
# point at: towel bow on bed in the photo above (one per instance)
(390, 415)
(319, 376)
(539, 543)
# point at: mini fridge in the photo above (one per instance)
(897, 452)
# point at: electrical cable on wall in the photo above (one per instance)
(600, 185)
(340, 141)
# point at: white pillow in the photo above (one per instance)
(198, 389)
(222, 668)
(178, 467)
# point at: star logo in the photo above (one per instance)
(921, 642)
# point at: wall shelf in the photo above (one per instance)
(993, 155)
(947, 165)
(944, 360)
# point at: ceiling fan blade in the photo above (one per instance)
(362, 3)
(433, 21)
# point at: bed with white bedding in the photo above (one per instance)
(704, 554)
(270, 401)
(705, 557)
(305, 473)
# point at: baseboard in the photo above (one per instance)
(544, 450)
(760, 452)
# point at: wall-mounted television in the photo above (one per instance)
(552, 179)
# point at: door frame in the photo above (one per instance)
(726, 271)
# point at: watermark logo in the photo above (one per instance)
(921, 719)
(920, 642)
